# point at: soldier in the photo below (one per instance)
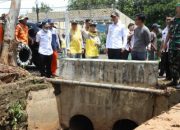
(174, 48)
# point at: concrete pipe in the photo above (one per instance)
(24, 55)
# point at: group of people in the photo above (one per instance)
(49, 44)
(84, 42)
(137, 41)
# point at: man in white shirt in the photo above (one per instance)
(116, 38)
(44, 38)
(164, 65)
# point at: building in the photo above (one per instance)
(63, 18)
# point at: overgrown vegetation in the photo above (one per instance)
(103, 43)
(155, 10)
(16, 117)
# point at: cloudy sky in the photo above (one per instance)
(26, 5)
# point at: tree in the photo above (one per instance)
(155, 10)
(8, 51)
(84, 4)
(43, 8)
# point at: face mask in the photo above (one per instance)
(45, 30)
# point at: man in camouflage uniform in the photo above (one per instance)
(174, 48)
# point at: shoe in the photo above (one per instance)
(54, 75)
(168, 78)
(178, 86)
(173, 83)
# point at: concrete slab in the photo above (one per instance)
(135, 73)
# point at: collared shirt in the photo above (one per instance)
(21, 33)
(164, 35)
(44, 39)
(117, 36)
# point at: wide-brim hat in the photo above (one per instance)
(22, 17)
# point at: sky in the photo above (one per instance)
(26, 5)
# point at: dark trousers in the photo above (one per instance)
(125, 55)
(84, 54)
(164, 65)
(138, 55)
(174, 64)
(45, 65)
(115, 54)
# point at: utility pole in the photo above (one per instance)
(37, 11)
(9, 49)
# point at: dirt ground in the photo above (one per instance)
(167, 121)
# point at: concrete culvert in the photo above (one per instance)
(125, 124)
(80, 122)
(24, 55)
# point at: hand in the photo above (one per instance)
(165, 46)
(106, 51)
(59, 50)
(97, 45)
(122, 50)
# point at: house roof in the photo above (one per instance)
(81, 15)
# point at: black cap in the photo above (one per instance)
(115, 13)
(88, 20)
(74, 22)
(93, 23)
(155, 25)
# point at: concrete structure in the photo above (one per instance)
(133, 73)
(92, 94)
(106, 108)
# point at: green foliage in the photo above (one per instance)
(155, 10)
(103, 43)
(43, 8)
(16, 114)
